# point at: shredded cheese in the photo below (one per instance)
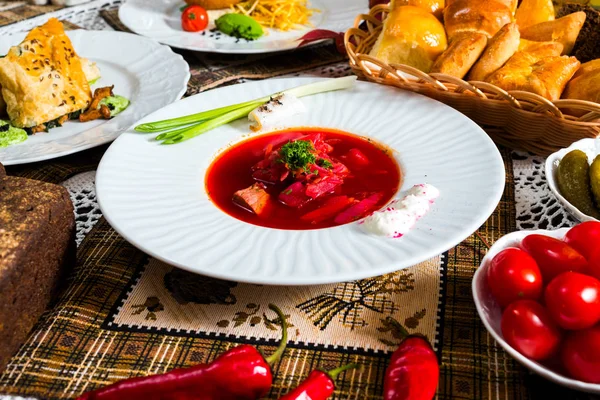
(279, 14)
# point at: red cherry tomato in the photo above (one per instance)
(585, 238)
(513, 275)
(553, 256)
(580, 354)
(594, 265)
(194, 19)
(529, 329)
(573, 300)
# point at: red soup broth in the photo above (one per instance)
(231, 171)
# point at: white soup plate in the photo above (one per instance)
(149, 74)
(491, 314)
(161, 21)
(154, 195)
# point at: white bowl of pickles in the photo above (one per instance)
(573, 175)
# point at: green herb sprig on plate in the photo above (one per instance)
(180, 129)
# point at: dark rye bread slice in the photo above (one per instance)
(36, 246)
(587, 46)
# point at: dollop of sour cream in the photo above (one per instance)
(277, 110)
(401, 215)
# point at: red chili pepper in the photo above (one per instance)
(238, 374)
(318, 385)
(321, 34)
(413, 372)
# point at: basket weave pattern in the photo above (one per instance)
(517, 119)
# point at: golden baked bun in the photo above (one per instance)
(436, 7)
(213, 4)
(545, 76)
(584, 87)
(564, 30)
(500, 49)
(588, 67)
(532, 12)
(483, 16)
(411, 36)
(460, 56)
(546, 48)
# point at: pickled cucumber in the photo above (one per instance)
(573, 176)
(595, 180)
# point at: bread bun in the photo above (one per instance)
(564, 30)
(482, 16)
(532, 12)
(546, 48)
(213, 4)
(589, 66)
(436, 7)
(459, 57)
(500, 48)
(545, 76)
(411, 36)
(585, 86)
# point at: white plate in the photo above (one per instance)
(591, 147)
(161, 20)
(491, 314)
(154, 195)
(149, 74)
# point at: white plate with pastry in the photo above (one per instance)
(161, 21)
(50, 79)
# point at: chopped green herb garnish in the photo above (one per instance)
(298, 155)
(288, 191)
(323, 163)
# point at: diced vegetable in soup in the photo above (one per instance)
(303, 179)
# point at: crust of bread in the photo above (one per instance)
(42, 78)
(436, 7)
(563, 30)
(532, 12)
(460, 56)
(587, 67)
(585, 86)
(547, 48)
(411, 36)
(213, 4)
(545, 76)
(482, 16)
(499, 50)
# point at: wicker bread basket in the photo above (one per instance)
(516, 119)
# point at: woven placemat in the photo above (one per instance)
(124, 315)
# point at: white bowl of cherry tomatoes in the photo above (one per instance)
(538, 294)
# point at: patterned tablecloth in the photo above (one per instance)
(124, 314)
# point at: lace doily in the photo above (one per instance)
(536, 206)
(82, 189)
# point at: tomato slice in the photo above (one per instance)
(553, 256)
(514, 275)
(529, 329)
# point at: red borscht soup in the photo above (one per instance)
(303, 179)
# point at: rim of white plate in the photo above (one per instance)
(155, 22)
(113, 209)
(176, 76)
